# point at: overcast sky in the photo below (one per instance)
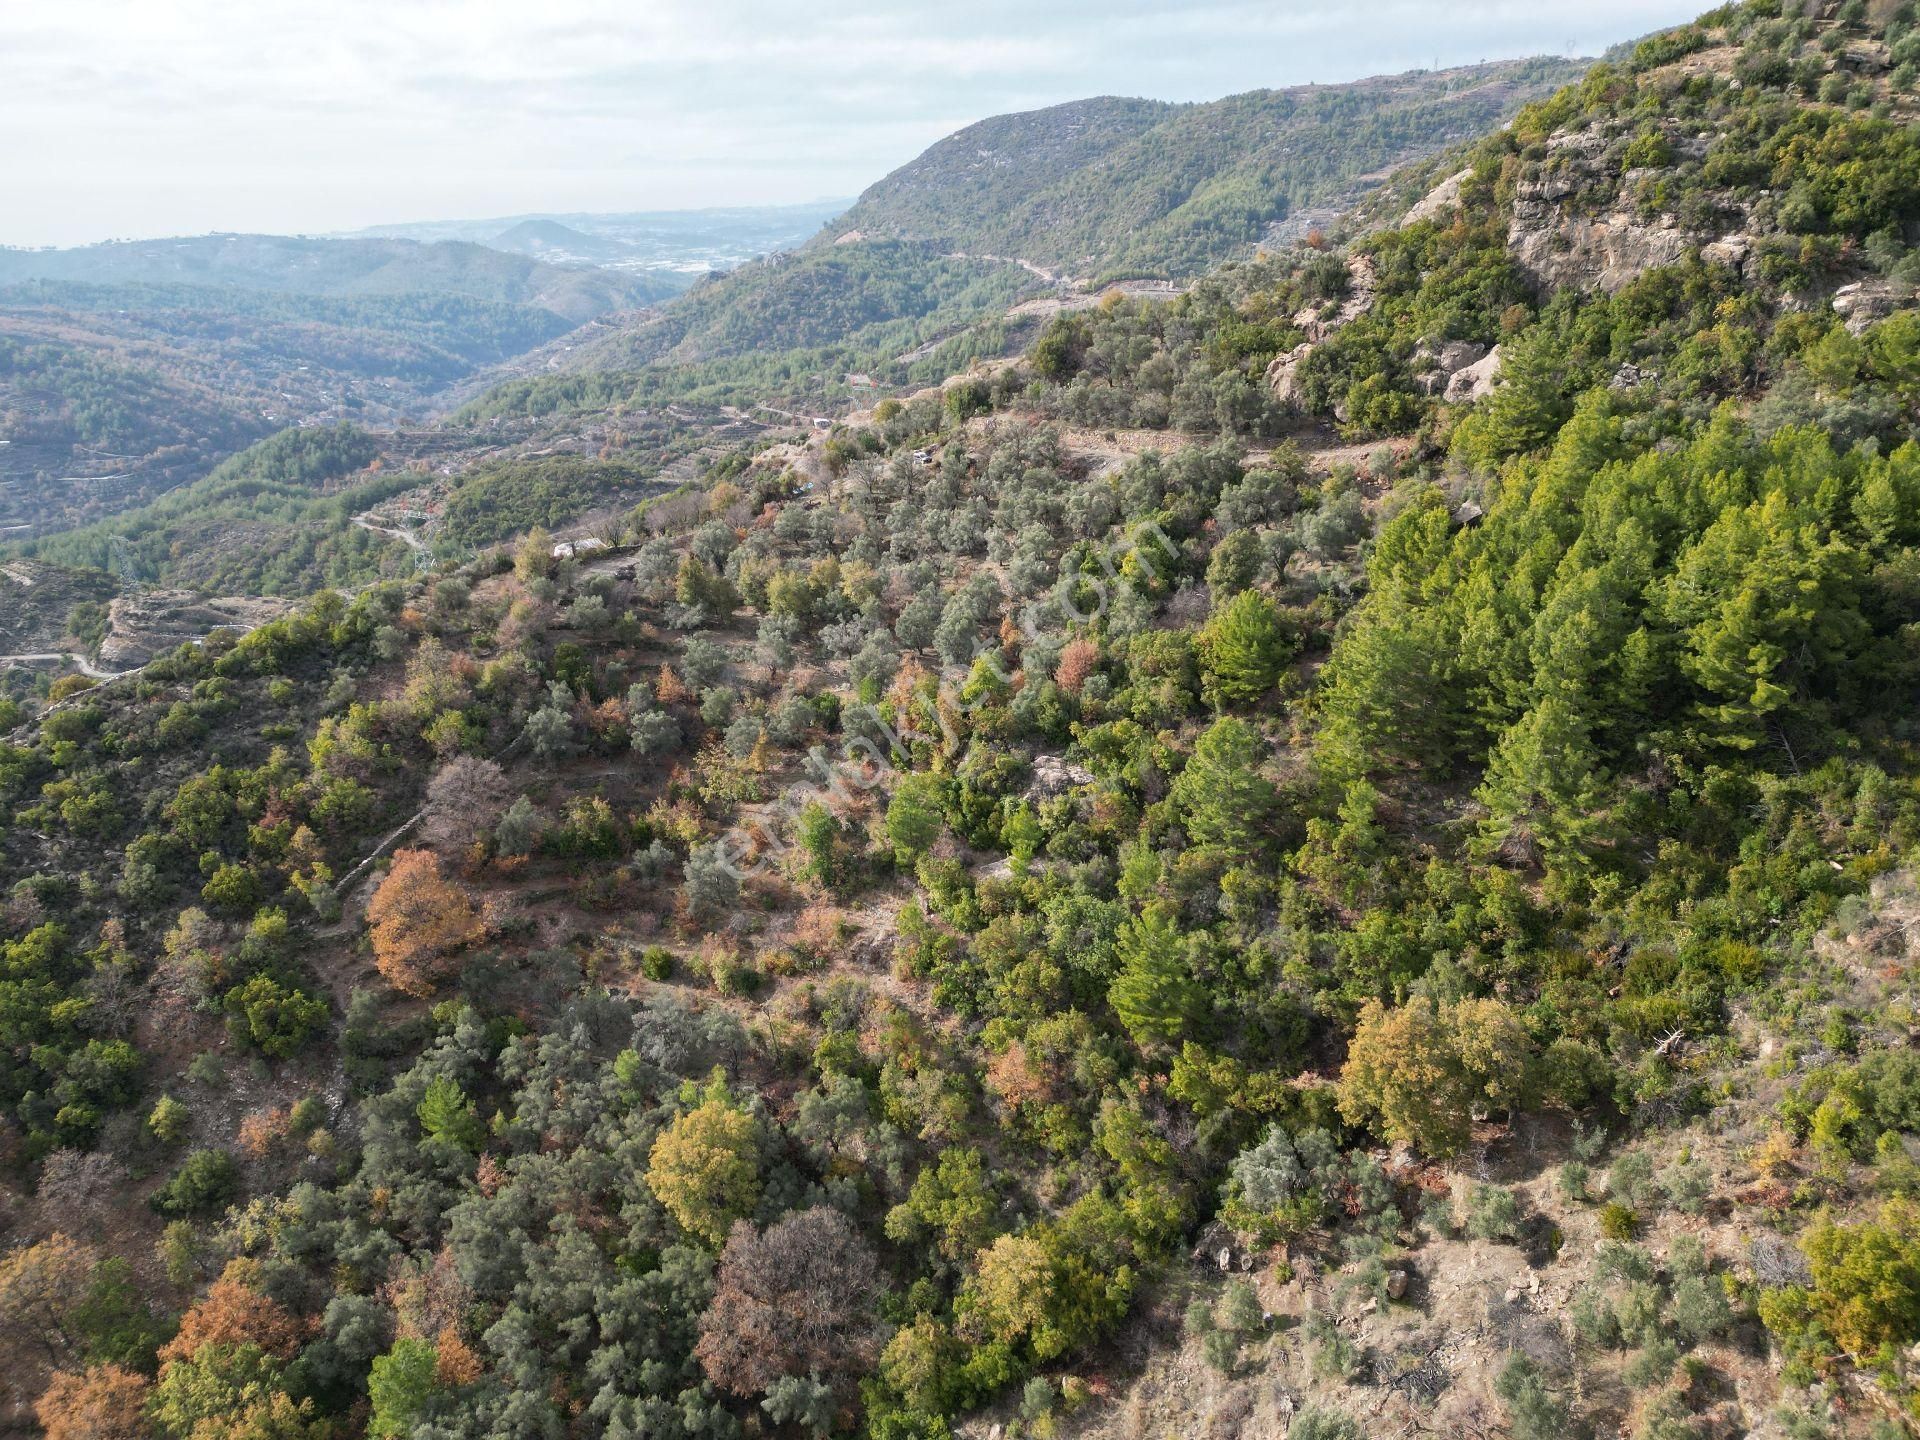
(159, 117)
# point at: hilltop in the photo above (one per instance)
(1112, 186)
(930, 269)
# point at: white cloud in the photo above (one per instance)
(176, 116)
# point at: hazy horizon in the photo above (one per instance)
(828, 203)
(191, 117)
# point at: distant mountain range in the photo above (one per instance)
(305, 265)
(668, 242)
(131, 366)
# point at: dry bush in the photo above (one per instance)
(821, 930)
(798, 1299)
(428, 1297)
(464, 800)
(261, 1130)
(454, 1362)
(80, 1185)
(1078, 660)
(1012, 1076)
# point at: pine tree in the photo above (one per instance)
(1243, 649)
(1154, 994)
(445, 1113)
(401, 1382)
(1222, 797)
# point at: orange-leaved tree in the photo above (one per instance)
(106, 1402)
(234, 1312)
(420, 921)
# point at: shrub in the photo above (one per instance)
(1492, 1213)
(275, 1019)
(169, 1120)
(1323, 1425)
(1534, 1412)
(1618, 1222)
(206, 1180)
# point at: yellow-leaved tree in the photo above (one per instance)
(705, 1166)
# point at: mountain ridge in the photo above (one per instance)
(1156, 186)
(336, 268)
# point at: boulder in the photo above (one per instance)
(1606, 253)
(1054, 776)
(1475, 381)
(1359, 300)
(1864, 303)
(1442, 200)
(1283, 375)
(1448, 361)
(1732, 251)
(1571, 225)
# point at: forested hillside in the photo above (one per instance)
(915, 281)
(1113, 186)
(1334, 855)
(789, 329)
(110, 395)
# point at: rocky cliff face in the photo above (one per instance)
(1575, 224)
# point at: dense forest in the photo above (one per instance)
(1335, 855)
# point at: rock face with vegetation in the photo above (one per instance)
(1106, 897)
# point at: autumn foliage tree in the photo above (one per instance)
(704, 1167)
(1421, 1072)
(234, 1312)
(420, 920)
(42, 1287)
(797, 1299)
(106, 1402)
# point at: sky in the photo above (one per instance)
(136, 118)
